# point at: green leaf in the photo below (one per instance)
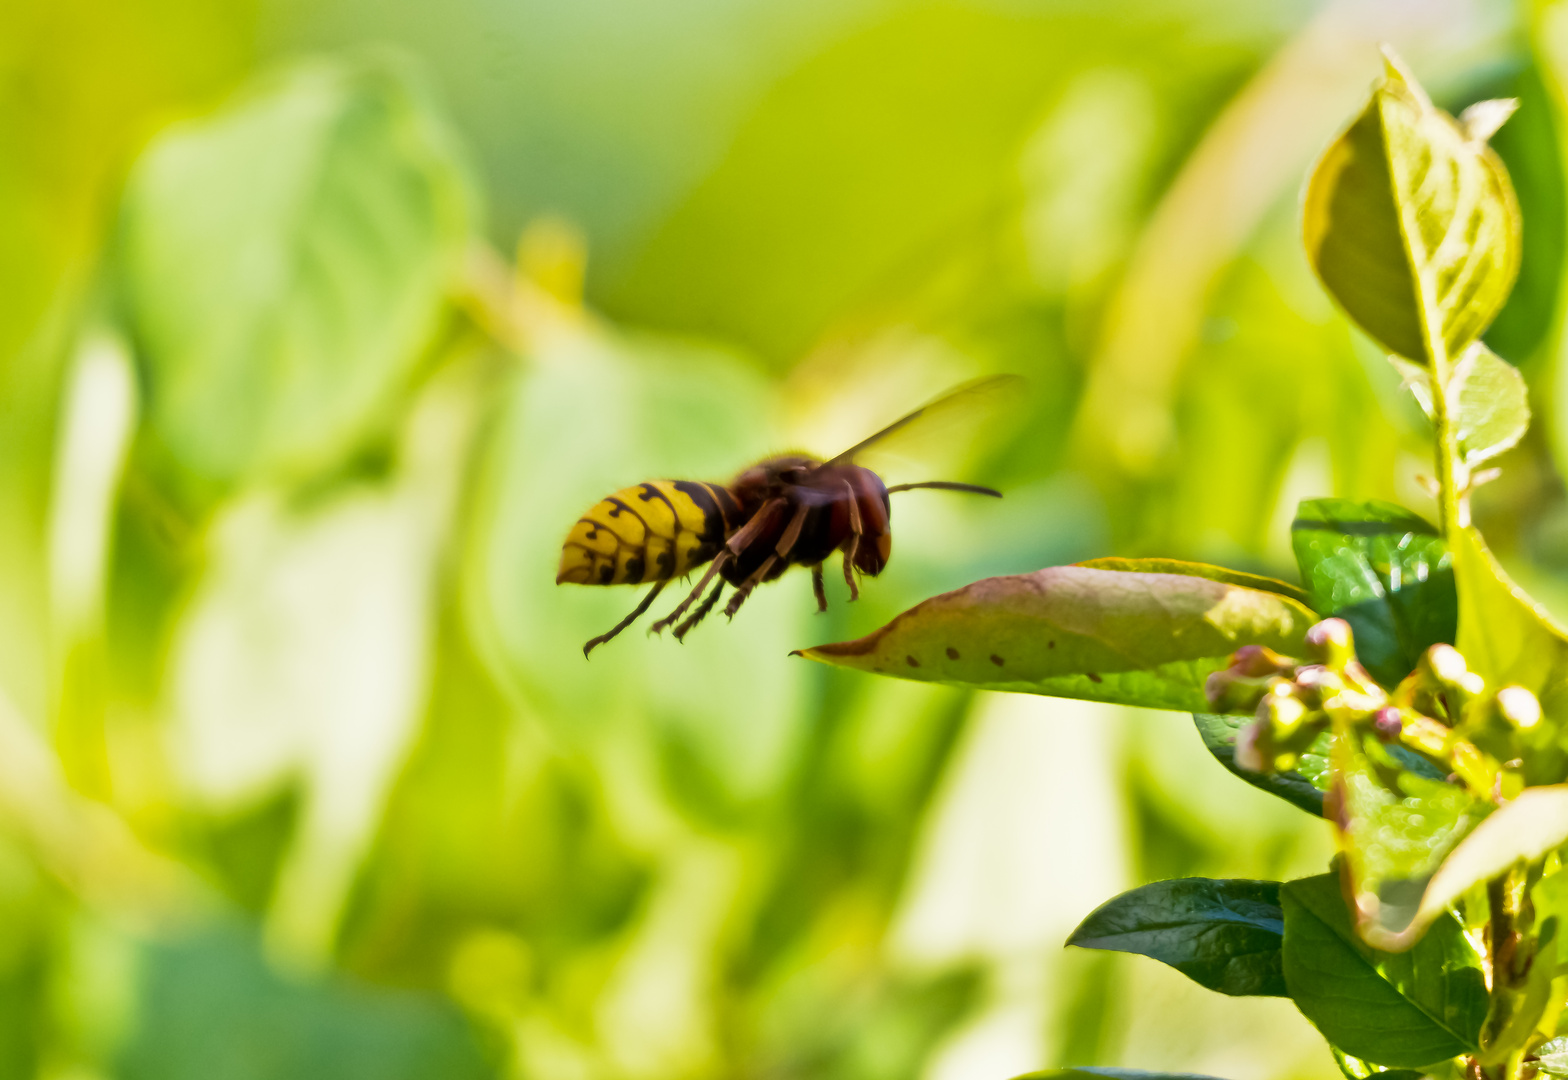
(1087, 1073)
(1354, 1068)
(1303, 786)
(1403, 1010)
(1072, 631)
(1525, 829)
(283, 263)
(210, 1005)
(1492, 409)
(1411, 222)
(1505, 636)
(1203, 570)
(1394, 837)
(1383, 570)
(1552, 1056)
(1490, 402)
(1222, 934)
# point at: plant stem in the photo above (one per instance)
(1453, 513)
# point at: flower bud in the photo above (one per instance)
(1332, 642)
(1228, 691)
(1282, 711)
(1519, 707)
(1446, 664)
(1388, 723)
(1249, 754)
(1259, 661)
(1317, 680)
(1359, 678)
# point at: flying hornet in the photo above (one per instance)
(789, 510)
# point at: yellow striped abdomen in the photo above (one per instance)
(652, 532)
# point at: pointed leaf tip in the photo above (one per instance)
(1380, 206)
(1481, 120)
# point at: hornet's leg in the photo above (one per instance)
(702, 611)
(785, 545)
(816, 588)
(680, 609)
(594, 643)
(743, 536)
(852, 545)
(744, 589)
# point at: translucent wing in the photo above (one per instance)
(951, 418)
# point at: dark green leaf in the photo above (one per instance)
(283, 263)
(1222, 934)
(1303, 786)
(1383, 570)
(1072, 631)
(1403, 1010)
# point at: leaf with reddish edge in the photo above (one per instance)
(1075, 631)
(1203, 570)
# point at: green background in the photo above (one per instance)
(301, 770)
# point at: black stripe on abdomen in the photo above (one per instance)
(714, 522)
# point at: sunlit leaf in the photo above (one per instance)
(1552, 1056)
(1394, 839)
(1526, 829)
(1397, 1009)
(1410, 222)
(1203, 570)
(282, 264)
(1506, 636)
(1493, 405)
(1224, 935)
(1302, 786)
(1071, 631)
(1356, 1069)
(1383, 570)
(1090, 1073)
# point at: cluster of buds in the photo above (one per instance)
(1441, 710)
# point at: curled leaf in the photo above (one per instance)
(1410, 221)
(1526, 829)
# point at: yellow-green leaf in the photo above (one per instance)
(1526, 829)
(1505, 636)
(1491, 405)
(1411, 223)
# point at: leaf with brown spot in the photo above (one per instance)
(1148, 639)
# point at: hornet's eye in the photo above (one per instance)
(793, 475)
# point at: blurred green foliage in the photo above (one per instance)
(301, 768)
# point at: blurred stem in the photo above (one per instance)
(1452, 512)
